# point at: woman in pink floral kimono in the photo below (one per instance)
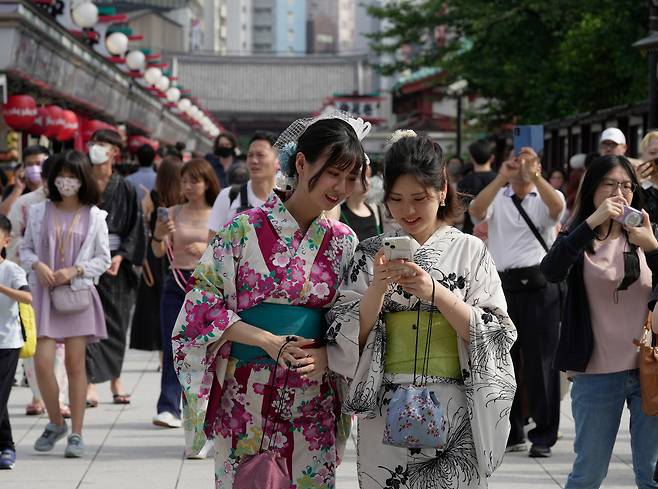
(271, 273)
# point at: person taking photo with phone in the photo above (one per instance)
(181, 234)
(27, 177)
(442, 308)
(523, 210)
(610, 268)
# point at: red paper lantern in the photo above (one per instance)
(136, 142)
(70, 127)
(39, 125)
(19, 112)
(54, 121)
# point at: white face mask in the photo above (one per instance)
(98, 154)
(67, 186)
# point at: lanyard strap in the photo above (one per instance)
(426, 361)
(58, 233)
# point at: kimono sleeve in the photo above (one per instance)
(486, 361)
(208, 310)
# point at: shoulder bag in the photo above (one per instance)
(648, 370)
(28, 329)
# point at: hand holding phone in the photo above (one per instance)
(397, 248)
(163, 214)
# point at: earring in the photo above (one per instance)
(442, 203)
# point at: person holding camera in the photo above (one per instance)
(609, 256)
(424, 306)
(523, 210)
(27, 177)
(181, 234)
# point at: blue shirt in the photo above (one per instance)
(145, 176)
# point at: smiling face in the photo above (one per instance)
(413, 206)
(330, 188)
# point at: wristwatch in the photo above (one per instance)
(79, 271)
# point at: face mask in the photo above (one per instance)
(33, 173)
(67, 186)
(224, 152)
(99, 154)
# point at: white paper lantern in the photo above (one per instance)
(214, 132)
(116, 43)
(173, 94)
(162, 84)
(184, 105)
(85, 15)
(191, 110)
(152, 75)
(136, 60)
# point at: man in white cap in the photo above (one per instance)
(612, 142)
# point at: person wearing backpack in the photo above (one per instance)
(263, 165)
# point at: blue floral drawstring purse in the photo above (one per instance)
(415, 417)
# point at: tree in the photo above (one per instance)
(534, 60)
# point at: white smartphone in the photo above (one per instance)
(397, 248)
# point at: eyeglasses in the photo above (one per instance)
(612, 185)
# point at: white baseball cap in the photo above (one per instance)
(613, 134)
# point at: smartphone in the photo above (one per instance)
(163, 214)
(528, 136)
(630, 217)
(397, 248)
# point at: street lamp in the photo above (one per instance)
(457, 89)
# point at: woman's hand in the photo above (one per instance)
(315, 363)
(293, 354)
(196, 249)
(643, 236)
(163, 229)
(416, 281)
(383, 275)
(610, 208)
(64, 276)
(45, 275)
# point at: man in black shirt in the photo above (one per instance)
(481, 154)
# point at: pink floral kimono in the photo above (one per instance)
(260, 256)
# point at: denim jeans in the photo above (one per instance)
(597, 402)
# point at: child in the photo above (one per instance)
(13, 289)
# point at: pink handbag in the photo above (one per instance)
(266, 469)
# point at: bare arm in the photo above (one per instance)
(22, 296)
(549, 196)
(480, 204)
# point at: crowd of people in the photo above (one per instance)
(283, 311)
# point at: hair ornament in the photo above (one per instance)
(401, 134)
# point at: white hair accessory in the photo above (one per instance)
(401, 134)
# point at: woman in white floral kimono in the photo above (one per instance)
(469, 367)
(271, 273)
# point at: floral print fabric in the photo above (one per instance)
(261, 255)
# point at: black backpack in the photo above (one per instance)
(244, 201)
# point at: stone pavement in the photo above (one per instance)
(125, 451)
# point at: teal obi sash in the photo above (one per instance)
(281, 320)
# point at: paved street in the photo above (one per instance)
(125, 451)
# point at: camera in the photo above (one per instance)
(630, 217)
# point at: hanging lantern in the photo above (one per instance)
(152, 75)
(54, 121)
(173, 94)
(162, 84)
(136, 60)
(85, 14)
(116, 43)
(184, 105)
(70, 126)
(39, 125)
(19, 112)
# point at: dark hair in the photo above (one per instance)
(164, 151)
(559, 170)
(5, 224)
(263, 136)
(337, 140)
(35, 149)
(45, 168)
(167, 182)
(481, 151)
(228, 136)
(200, 169)
(108, 136)
(238, 174)
(422, 158)
(590, 158)
(145, 155)
(78, 164)
(600, 167)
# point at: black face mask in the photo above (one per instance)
(224, 152)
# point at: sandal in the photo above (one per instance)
(121, 398)
(92, 403)
(35, 409)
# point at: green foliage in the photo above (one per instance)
(535, 60)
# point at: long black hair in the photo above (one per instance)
(78, 164)
(337, 140)
(596, 172)
(421, 157)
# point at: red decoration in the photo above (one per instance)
(136, 142)
(89, 127)
(54, 121)
(19, 112)
(39, 126)
(70, 127)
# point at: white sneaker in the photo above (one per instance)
(167, 420)
(203, 453)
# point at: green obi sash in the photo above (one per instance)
(281, 320)
(401, 340)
